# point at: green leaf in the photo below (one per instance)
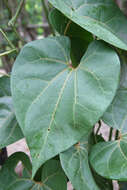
(76, 166)
(109, 159)
(100, 17)
(48, 93)
(52, 175)
(9, 128)
(9, 180)
(102, 182)
(5, 86)
(77, 35)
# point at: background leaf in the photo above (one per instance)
(100, 17)
(103, 183)
(9, 128)
(52, 175)
(109, 159)
(9, 179)
(5, 86)
(77, 35)
(52, 93)
(76, 166)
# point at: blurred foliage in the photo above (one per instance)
(34, 10)
(28, 26)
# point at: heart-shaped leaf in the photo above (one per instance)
(9, 128)
(76, 166)
(49, 93)
(9, 179)
(53, 176)
(109, 159)
(101, 17)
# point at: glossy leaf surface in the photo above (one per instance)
(101, 17)
(76, 166)
(48, 93)
(110, 159)
(9, 128)
(52, 175)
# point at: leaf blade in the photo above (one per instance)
(9, 128)
(98, 18)
(115, 164)
(52, 94)
(75, 164)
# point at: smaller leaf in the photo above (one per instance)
(76, 166)
(9, 180)
(109, 159)
(102, 182)
(52, 175)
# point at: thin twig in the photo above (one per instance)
(18, 35)
(12, 22)
(117, 135)
(47, 15)
(14, 18)
(110, 134)
(9, 42)
(67, 26)
(98, 129)
(7, 52)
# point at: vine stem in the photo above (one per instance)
(47, 15)
(110, 134)
(14, 18)
(7, 52)
(117, 135)
(98, 129)
(67, 26)
(9, 42)
(18, 35)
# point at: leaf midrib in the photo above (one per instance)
(54, 111)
